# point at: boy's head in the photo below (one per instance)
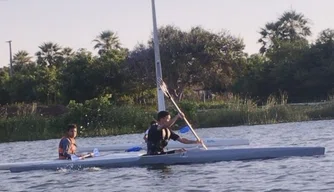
(72, 130)
(163, 117)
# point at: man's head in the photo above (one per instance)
(72, 130)
(163, 117)
(153, 122)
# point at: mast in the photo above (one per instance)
(161, 98)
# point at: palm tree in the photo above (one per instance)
(67, 52)
(21, 58)
(294, 25)
(291, 26)
(106, 41)
(326, 36)
(49, 54)
(269, 36)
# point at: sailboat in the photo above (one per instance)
(191, 156)
(211, 142)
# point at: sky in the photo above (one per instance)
(75, 23)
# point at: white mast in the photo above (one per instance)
(161, 98)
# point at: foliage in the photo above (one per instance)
(99, 117)
(194, 62)
(201, 68)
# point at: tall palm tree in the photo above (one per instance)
(290, 26)
(105, 41)
(49, 54)
(294, 25)
(21, 58)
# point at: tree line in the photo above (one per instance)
(195, 59)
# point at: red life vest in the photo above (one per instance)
(72, 149)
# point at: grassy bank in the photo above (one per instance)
(98, 117)
(247, 112)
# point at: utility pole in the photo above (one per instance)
(10, 58)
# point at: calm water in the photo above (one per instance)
(291, 174)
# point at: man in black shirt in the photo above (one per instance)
(160, 133)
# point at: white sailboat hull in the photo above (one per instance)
(188, 157)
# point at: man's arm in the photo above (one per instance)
(171, 122)
(188, 141)
(146, 134)
(65, 145)
(176, 137)
(145, 138)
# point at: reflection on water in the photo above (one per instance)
(163, 171)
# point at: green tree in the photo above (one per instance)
(75, 81)
(106, 41)
(21, 58)
(49, 54)
(199, 58)
(326, 36)
(22, 85)
(290, 26)
(47, 85)
(4, 78)
(189, 58)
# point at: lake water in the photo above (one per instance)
(290, 174)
